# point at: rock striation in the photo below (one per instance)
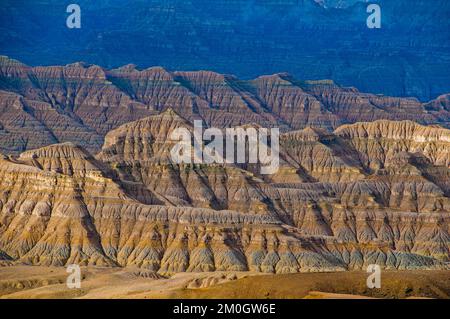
(367, 193)
(81, 103)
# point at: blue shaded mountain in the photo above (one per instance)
(408, 56)
(338, 3)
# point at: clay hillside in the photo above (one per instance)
(86, 176)
(81, 103)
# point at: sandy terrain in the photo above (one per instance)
(49, 282)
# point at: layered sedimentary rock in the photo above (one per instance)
(334, 193)
(379, 141)
(19, 129)
(353, 106)
(52, 218)
(292, 104)
(345, 195)
(330, 207)
(74, 103)
(81, 103)
(322, 155)
(139, 152)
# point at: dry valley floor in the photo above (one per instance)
(50, 282)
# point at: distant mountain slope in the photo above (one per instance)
(81, 103)
(408, 56)
(338, 3)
